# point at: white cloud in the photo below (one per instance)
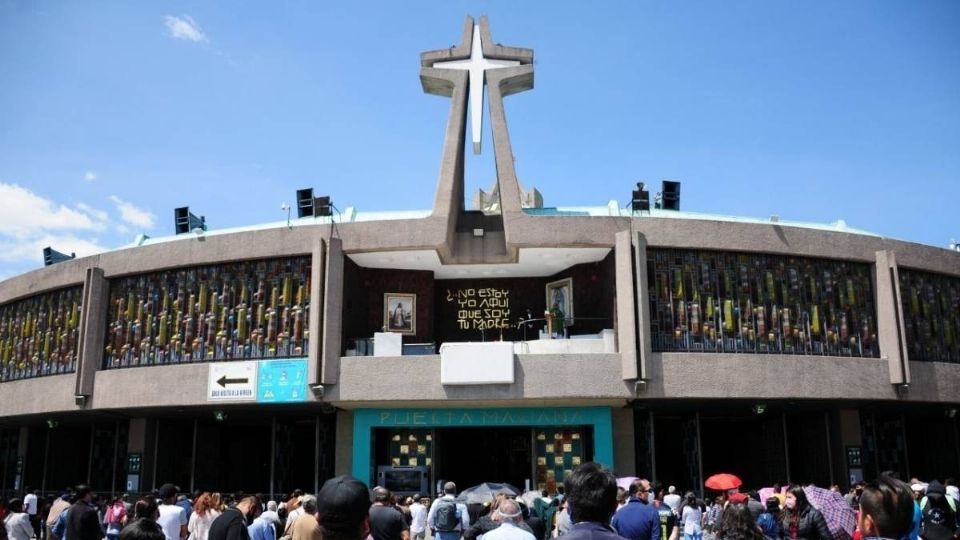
(89, 176)
(122, 229)
(133, 215)
(184, 28)
(30, 222)
(23, 214)
(95, 212)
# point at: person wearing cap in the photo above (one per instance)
(83, 523)
(592, 498)
(637, 520)
(232, 523)
(386, 522)
(886, 509)
(939, 512)
(509, 516)
(343, 509)
(173, 520)
(448, 500)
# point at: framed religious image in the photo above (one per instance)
(400, 313)
(560, 300)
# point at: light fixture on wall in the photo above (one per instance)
(759, 408)
(80, 400)
(950, 413)
(903, 389)
(219, 416)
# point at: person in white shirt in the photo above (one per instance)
(173, 519)
(17, 523)
(418, 515)
(509, 516)
(30, 507)
(673, 499)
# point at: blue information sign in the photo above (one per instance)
(282, 381)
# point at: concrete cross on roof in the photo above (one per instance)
(476, 65)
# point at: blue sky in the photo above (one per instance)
(114, 113)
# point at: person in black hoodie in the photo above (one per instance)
(233, 522)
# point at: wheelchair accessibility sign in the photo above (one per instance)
(282, 381)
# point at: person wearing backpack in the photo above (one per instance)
(448, 518)
(115, 518)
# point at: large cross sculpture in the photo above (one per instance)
(461, 73)
(477, 66)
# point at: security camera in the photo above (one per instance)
(284, 207)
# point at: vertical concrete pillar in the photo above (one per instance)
(624, 453)
(332, 312)
(626, 309)
(850, 435)
(343, 460)
(140, 437)
(93, 320)
(22, 444)
(644, 337)
(892, 339)
(315, 324)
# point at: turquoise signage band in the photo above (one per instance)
(366, 420)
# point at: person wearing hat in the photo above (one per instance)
(939, 512)
(173, 520)
(343, 509)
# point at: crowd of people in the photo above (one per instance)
(589, 506)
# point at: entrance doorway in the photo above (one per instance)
(469, 456)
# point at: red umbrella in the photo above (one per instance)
(723, 482)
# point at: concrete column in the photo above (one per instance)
(624, 444)
(140, 440)
(93, 320)
(892, 339)
(644, 337)
(22, 444)
(626, 308)
(317, 274)
(332, 323)
(343, 460)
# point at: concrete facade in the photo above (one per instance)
(633, 376)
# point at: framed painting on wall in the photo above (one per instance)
(400, 313)
(560, 296)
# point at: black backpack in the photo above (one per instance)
(447, 516)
